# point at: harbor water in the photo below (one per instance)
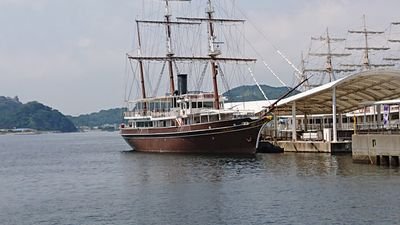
(92, 178)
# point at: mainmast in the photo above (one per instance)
(213, 53)
(213, 46)
(169, 46)
(366, 61)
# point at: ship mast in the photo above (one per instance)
(169, 46)
(366, 61)
(213, 48)
(397, 41)
(213, 53)
(329, 54)
(141, 66)
(303, 75)
(169, 55)
(140, 61)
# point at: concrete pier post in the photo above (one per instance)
(334, 114)
(294, 134)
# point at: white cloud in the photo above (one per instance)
(70, 53)
(84, 42)
(35, 5)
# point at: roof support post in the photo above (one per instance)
(305, 122)
(275, 128)
(388, 116)
(374, 117)
(294, 134)
(334, 114)
(365, 117)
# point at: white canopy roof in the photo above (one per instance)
(352, 92)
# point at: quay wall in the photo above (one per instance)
(315, 146)
(376, 148)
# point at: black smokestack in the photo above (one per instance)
(182, 84)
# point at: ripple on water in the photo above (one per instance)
(89, 178)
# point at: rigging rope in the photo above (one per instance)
(267, 39)
(277, 77)
(134, 71)
(200, 81)
(159, 79)
(258, 85)
(223, 78)
(290, 63)
(126, 79)
(176, 68)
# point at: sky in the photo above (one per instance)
(70, 54)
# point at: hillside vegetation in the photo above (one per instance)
(97, 119)
(34, 115)
(252, 93)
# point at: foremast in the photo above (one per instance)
(169, 55)
(139, 39)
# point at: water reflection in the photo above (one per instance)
(86, 175)
(172, 168)
(221, 190)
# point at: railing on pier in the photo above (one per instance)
(314, 133)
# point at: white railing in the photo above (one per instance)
(153, 114)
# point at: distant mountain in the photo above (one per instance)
(34, 115)
(252, 93)
(97, 119)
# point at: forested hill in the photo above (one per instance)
(34, 115)
(110, 116)
(252, 93)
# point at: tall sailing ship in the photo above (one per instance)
(189, 121)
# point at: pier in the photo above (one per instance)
(379, 149)
(366, 121)
(316, 146)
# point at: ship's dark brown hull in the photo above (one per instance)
(224, 137)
